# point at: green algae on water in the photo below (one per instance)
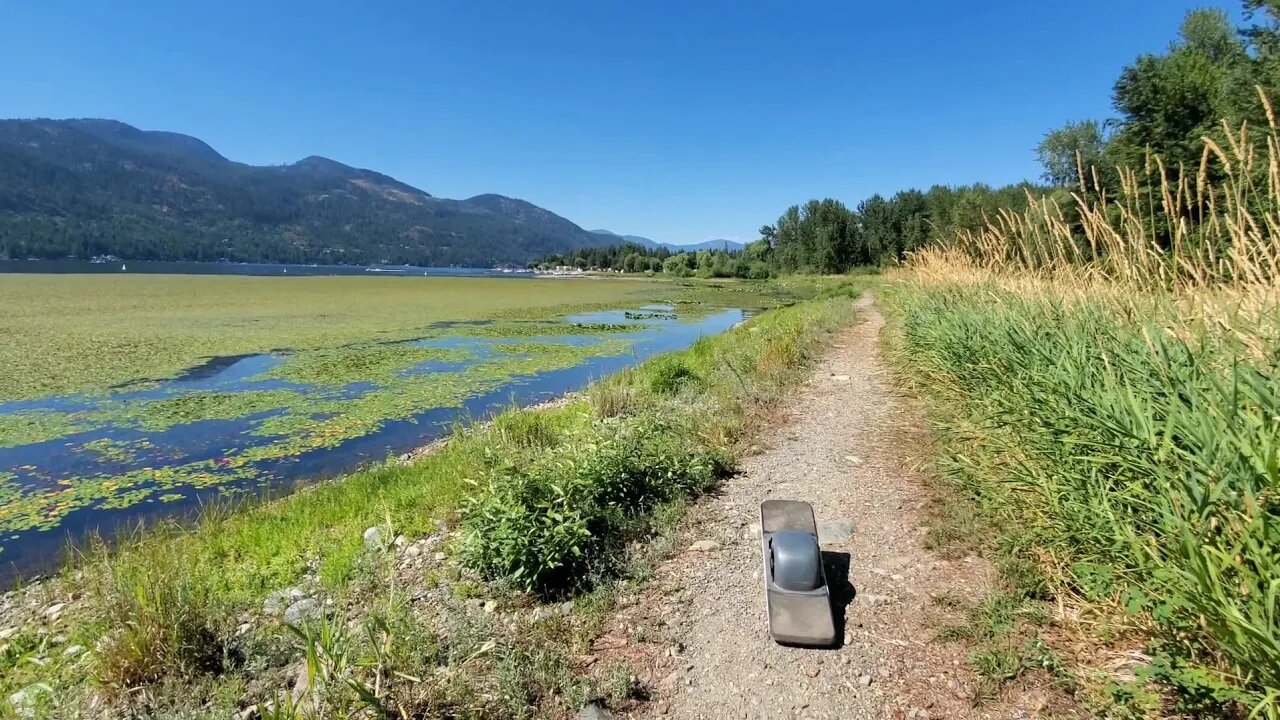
(296, 423)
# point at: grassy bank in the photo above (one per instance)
(420, 589)
(1109, 413)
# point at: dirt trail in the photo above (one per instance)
(843, 443)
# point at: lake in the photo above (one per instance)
(236, 427)
(153, 267)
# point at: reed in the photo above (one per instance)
(1106, 371)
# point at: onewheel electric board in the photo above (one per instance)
(795, 584)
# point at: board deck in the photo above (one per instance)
(796, 617)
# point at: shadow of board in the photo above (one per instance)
(836, 565)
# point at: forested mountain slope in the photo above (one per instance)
(80, 188)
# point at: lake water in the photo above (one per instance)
(102, 476)
(228, 268)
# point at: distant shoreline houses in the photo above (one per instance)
(565, 270)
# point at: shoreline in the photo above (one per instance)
(403, 459)
(318, 541)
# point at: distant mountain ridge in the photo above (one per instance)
(729, 245)
(88, 187)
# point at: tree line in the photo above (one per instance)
(822, 236)
(826, 236)
(750, 263)
(1212, 77)
(1212, 74)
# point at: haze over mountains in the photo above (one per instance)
(84, 188)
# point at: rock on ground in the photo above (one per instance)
(304, 609)
(593, 711)
(375, 538)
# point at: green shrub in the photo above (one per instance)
(611, 398)
(526, 429)
(840, 290)
(534, 675)
(550, 525)
(667, 375)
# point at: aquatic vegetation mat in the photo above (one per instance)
(241, 425)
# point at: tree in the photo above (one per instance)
(823, 236)
(1262, 36)
(1169, 102)
(760, 250)
(1063, 152)
(676, 265)
(634, 262)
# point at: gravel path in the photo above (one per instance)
(843, 443)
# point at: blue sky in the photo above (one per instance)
(680, 121)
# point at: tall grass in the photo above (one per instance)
(1167, 228)
(1108, 376)
(161, 621)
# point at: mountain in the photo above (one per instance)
(613, 238)
(729, 245)
(80, 188)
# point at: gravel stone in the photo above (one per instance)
(24, 701)
(278, 601)
(304, 609)
(593, 711)
(836, 531)
(375, 538)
